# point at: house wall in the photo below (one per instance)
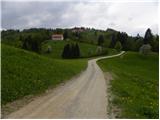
(57, 38)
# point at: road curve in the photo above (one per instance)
(83, 97)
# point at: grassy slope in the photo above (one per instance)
(57, 48)
(25, 73)
(135, 85)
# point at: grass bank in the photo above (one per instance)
(25, 73)
(86, 50)
(135, 84)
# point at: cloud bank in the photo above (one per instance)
(131, 17)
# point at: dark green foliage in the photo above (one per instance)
(91, 36)
(66, 51)
(134, 44)
(86, 50)
(77, 50)
(78, 35)
(148, 36)
(27, 43)
(100, 40)
(59, 31)
(32, 43)
(155, 43)
(113, 41)
(123, 41)
(65, 35)
(71, 51)
(122, 37)
(118, 46)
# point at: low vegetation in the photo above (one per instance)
(31, 39)
(25, 73)
(86, 50)
(135, 84)
(31, 63)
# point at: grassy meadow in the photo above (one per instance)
(135, 84)
(25, 73)
(86, 50)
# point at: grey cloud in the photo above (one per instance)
(32, 14)
(127, 17)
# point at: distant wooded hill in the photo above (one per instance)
(105, 38)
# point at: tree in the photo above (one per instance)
(145, 49)
(122, 37)
(77, 50)
(118, 46)
(36, 45)
(118, 36)
(20, 38)
(148, 36)
(66, 51)
(138, 36)
(27, 43)
(71, 51)
(59, 30)
(65, 34)
(100, 40)
(99, 50)
(136, 44)
(157, 44)
(32, 43)
(123, 41)
(49, 49)
(113, 41)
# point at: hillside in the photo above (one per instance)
(25, 73)
(134, 85)
(86, 50)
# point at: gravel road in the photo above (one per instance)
(85, 96)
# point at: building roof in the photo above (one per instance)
(57, 35)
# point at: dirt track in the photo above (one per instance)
(83, 97)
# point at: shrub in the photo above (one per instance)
(99, 50)
(49, 49)
(145, 49)
(118, 46)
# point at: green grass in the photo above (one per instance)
(57, 49)
(25, 73)
(135, 84)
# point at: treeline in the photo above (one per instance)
(32, 43)
(129, 43)
(29, 39)
(106, 38)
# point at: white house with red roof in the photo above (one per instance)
(57, 37)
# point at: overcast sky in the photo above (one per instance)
(131, 17)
